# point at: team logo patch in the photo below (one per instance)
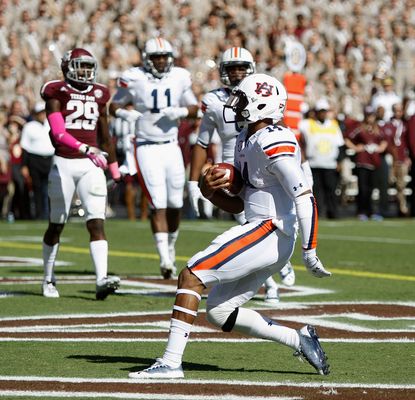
(264, 89)
(98, 93)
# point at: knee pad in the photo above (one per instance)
(223, 317)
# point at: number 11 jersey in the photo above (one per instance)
(150, 95)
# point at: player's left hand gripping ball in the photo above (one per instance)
(233, 175)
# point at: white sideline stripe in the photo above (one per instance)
(208, 382)
(144, 396)
(281, 306)
(364, 239)
(195, 340)
(324, 320)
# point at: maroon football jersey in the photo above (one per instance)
(367, 159)
(80, 111)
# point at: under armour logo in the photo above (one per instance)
(186, 335)
(295, 188)
(270, 323)
(264, 89)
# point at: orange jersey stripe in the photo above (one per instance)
(280, 149)
(234, 247)
(314, 227)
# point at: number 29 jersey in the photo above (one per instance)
(150, 95)
(80, 111)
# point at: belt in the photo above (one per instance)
(153, 142)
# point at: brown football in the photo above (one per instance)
(234, 176)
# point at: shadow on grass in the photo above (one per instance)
(187, 366)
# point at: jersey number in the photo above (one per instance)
(87, 110)
(154, 93)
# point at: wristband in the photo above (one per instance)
(114, 170)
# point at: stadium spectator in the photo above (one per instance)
(5, 167)
(386, 98)
(20, 207)
(77, 115)
(383, 47)
(399, 149)
(411, 147)
(367, 142)
(161, 95)
(323, 146)
(37, 159)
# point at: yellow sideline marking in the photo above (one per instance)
(134, 254)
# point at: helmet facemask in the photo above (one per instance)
(225, 76)
(257, 97)
(79, 66)
(150, 66)
(82, 71)
(235, 56)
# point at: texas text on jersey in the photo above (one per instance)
(80, 110)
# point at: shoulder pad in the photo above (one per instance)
(277, 141)
(50, 88)
(179, 71)
(129, 76)
(214, 97)
(101, 92)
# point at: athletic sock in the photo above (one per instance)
(254, 324)
(270, 283)
(172, 238)
(49, 257)
(99, 255)
(178, 337)
(162, 245)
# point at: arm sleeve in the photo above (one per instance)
(57, 127)
(292, 178)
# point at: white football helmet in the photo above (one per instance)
(257, 97)
(235, 56)
(156, 47)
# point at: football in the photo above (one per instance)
(233, 175)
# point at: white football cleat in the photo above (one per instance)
(159, 370)
(49, 290)
(271, 295)
(287, 275)
(168, 270)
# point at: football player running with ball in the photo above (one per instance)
(161, 95)
(77, 113)
(275, 196)
(236, 63)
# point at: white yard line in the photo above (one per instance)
(144, 396)
(195, 340)
(209, 382)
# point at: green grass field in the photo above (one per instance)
(372, 262)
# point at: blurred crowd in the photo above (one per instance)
(359, 53)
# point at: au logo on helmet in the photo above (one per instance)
(264, 89)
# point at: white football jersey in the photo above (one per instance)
(264, 159)
(150, 95)
(212, 108)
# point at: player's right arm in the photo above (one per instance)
(123, 97)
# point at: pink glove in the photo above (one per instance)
(97, 156)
